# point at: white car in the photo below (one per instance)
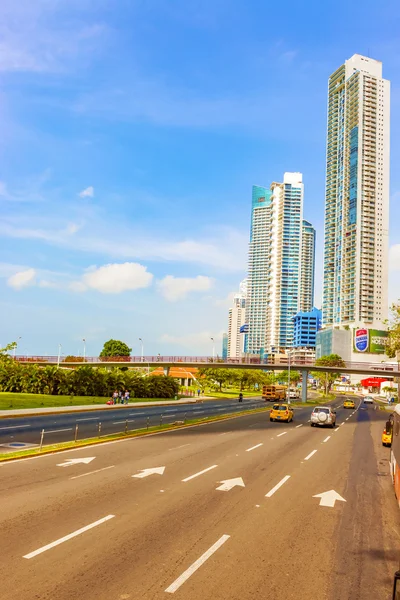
(368, 400)
(323, 415)
(293, 394)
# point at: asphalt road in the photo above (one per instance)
(109, 529)
(61, 427)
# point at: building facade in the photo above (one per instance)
(236, 323)
(307, 267)
(306, 325)
(355, 287)
(224, 346)
(281, 270)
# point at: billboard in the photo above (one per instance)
(361, 340)
(378, 341)
(373, 341)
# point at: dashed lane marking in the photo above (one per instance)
(310, 455)
(196, 565)
(277, 486)
(253, 447)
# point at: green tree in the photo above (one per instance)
(393, 347)
(215, 376)
(295, 377)
(115, 348)
(328, 378)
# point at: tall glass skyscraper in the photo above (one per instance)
(281, 269)
(357, 195)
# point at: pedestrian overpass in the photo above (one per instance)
(304, 366)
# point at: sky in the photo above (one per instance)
(131, 134)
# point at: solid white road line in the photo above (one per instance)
(58, 430)
(14, 427)
(326, 439)
(278, 485)
(301, 425)
(310, 455)
(199, 473)
(284, 433)
(253, 448)
(196, 565)
(68, 537)
(92, 472)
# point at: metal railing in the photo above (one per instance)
(176, 361)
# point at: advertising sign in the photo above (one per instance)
(373, 341)
(361, 340)
(378, 341)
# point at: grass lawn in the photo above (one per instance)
(232, 394)
(10, 401)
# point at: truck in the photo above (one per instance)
(273, 393)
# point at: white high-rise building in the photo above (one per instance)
(281, 268)
(357, 196)
(237, 320)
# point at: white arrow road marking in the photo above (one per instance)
(75, 461)
(199, 473)
(228, 484)
(310, 455)
(329, 498)
(68, 537)
(196, 565)
(253, 447)
(147, 472)
(278, 485)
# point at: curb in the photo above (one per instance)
(140, 433)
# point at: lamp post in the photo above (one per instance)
(288, 376)
(213, 348)
(141, 341)
(84, 349)
(15, 347)
(59, 355)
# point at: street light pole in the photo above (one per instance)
(141, 341)
(15, 347)
(59, 355)
(84, 349)
(288, 376)
(213, 348)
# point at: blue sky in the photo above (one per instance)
(131, 134)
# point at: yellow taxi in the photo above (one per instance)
(387, 437)
(281, 412)
(349, 404)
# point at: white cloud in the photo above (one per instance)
(22, 279)
(87, 192)
(117, 278)
(225, 248)
(177, 288)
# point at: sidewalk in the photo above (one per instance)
(51, 410)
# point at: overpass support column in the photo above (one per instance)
(304, 379)
(166, 371)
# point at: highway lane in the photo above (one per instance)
(143, 537)
(61, 427)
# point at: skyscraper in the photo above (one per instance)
(281, 270)
(237, 320)
(357, 195)
(307, 267)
